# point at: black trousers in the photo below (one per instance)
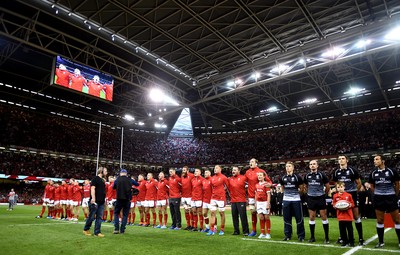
(125, 206)
(239, 210)
(175, 210)
(290, 209)
(346, 231)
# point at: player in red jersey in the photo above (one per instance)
(219, 183)
(252, 180)
(76, 200)
(197, 199)
(77, 81)
(150, 199)
(141, 198)
(175, 186)
(86, 197)
(62, 76)
(109, 88)
(57, 201)
(111, 198)
(132, 214)
(237, 188)
(64, 199)
(162, 196)
(186, 180)
(207, 192)
(70, 192)
(46, 200)
(263, 205)
(51, 201)
(95, 86)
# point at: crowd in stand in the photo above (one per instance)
(374, 132)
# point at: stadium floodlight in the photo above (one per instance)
(393, 34)
(354, 91)
(141, 123)
(156, 95)
(234, 83)
(362, 43)
(129, 117)
(308, 101)
(333, 52)
(158, 125)
(160, 118)
(272, 109)
(279, 68)
(255, 76)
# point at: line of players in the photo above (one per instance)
(63, 200)
(199, 196)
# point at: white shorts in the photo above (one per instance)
(76, 203)
(45, 201)
(56, 202)
(206, 205)
(50, 203)
(196, 204)
(252, 201)
(217, 203)
(149, 203)
(186, 202)
(110, 203)
(140, 203)
(85, 202)
(262, 207)
(161, 203)
(70, 202)
(64, 202)
(133, 204)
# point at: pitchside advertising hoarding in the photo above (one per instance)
(84, 79)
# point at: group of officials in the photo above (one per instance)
(198, 195)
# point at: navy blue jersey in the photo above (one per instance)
(291, 185)
(315, 183)
(348, 176)
(384, 181)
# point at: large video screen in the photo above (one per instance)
(71, 75)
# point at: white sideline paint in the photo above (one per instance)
(353, 250)
(295, 243)
(349, 252)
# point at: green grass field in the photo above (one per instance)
(21, 233)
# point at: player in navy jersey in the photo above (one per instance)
(292, 205)
(352, 183)
(317, 188)
(385, 184)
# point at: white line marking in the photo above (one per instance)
(295, 243)
(380, 250)
(353, 250)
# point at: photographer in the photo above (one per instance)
(97, 200)
(123, 185)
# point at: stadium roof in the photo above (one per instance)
(238, 65)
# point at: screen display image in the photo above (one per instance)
(84, 79)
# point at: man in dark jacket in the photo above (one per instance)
(123, 185)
